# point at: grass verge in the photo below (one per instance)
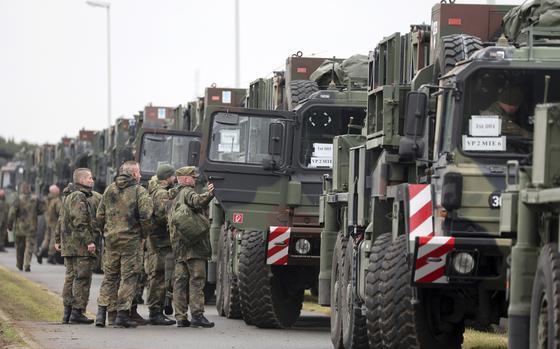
(23, 300)
(9, 337)
(473, 339)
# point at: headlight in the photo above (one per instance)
(303, 246)
(463, 263)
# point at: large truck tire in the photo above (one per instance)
(453, 49)
(545, 300)
(374, 295)
(266, 301)
(354, 330)
(220, 280)
(408, 324)
(336, 292)
(232, 302)
(300, 90)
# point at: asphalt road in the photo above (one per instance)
(311, 331)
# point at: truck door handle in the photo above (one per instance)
(215, 178)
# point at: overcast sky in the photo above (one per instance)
(53, 65)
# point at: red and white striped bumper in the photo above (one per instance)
(430, 253)
(278, 246)
(430, 259)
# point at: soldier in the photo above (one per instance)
(3, 219)
(22, 218)
(158, 243)
(191, 257)
(75, 238)
(53, 211)
(125, 213)
(507, 108)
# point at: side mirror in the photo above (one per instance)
(452, 191)
(194, 153)
(415, 113)
(410, 147)
(275, 138)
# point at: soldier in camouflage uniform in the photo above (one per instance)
(125, 213)
(75, 238)
(158, 243)
(3, 219)
(507, 108)
(53, 211)
(191, 257)
(22, 218)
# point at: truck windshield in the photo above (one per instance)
(499, 109)
(160, 149)
(243, 141)
(320, 125)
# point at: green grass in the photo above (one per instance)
(473, 339)
(23, 300)
(483, 340)
(9, 336)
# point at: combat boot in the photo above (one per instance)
(51, 260)
(137, 317)
(201, 321)
(168, 305)
(39, 259)
(183, 323)
(28, 268)
(122, 319)
(66, 315)
(158, 319)
(111, 316)
(101, 316)
(77, 317)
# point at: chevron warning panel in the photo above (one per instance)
(278, 246)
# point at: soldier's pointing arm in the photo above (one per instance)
(198, 201)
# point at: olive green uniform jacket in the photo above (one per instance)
(23, 214)
(125, 213)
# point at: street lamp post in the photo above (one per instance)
(107, 6)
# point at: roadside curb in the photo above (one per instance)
(29, 342)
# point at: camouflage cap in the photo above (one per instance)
(165, 171)
(512, 95)
(188, 171)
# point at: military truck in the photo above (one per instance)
(266, 166)
(414, 200)
(45, 156)
(530, 209)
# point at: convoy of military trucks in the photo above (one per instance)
(415, 191)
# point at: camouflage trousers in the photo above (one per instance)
(25, 246)
(121, 268)
(190, 277)
(77, 281)
(48, 242)
(155, 268)
(169, 275)
(142, 276)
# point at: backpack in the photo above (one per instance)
(187, 225)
